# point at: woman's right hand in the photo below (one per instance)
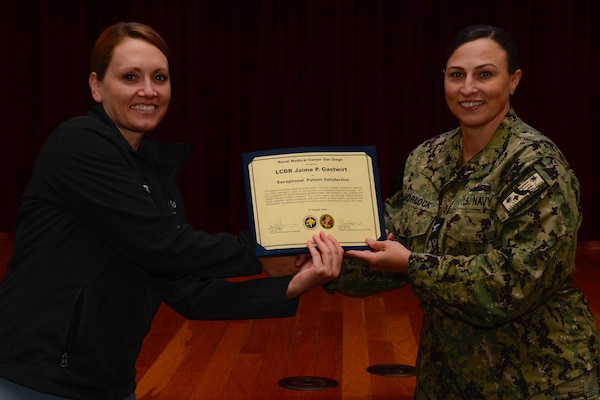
(385, 255)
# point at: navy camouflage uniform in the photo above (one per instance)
(493, 246)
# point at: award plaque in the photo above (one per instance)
(295, 193)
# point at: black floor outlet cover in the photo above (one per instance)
(307, 383)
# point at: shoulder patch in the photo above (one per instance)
(527, 188)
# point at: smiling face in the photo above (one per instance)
(135, 90)
(478, 85)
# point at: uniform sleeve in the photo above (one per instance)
(94, 179)
(539, 217)
(210, 299)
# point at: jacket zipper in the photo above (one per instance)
(72, 328)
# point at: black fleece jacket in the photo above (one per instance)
(101, 240)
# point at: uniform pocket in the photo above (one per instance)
(469, 232)
(413, 223)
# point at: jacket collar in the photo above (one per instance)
(161, 154)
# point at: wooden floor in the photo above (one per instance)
(331, 336)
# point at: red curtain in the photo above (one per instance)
(253, 75)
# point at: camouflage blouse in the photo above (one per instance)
(493, 246)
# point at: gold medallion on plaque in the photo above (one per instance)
(326, 221)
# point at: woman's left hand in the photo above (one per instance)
(323, 266)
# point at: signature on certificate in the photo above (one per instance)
(278, 226)
(350, 225)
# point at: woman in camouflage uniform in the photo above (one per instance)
(485, 232)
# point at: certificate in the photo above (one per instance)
(295, 193)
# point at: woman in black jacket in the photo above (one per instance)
(101, 240)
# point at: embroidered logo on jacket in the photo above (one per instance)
(525, 189)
